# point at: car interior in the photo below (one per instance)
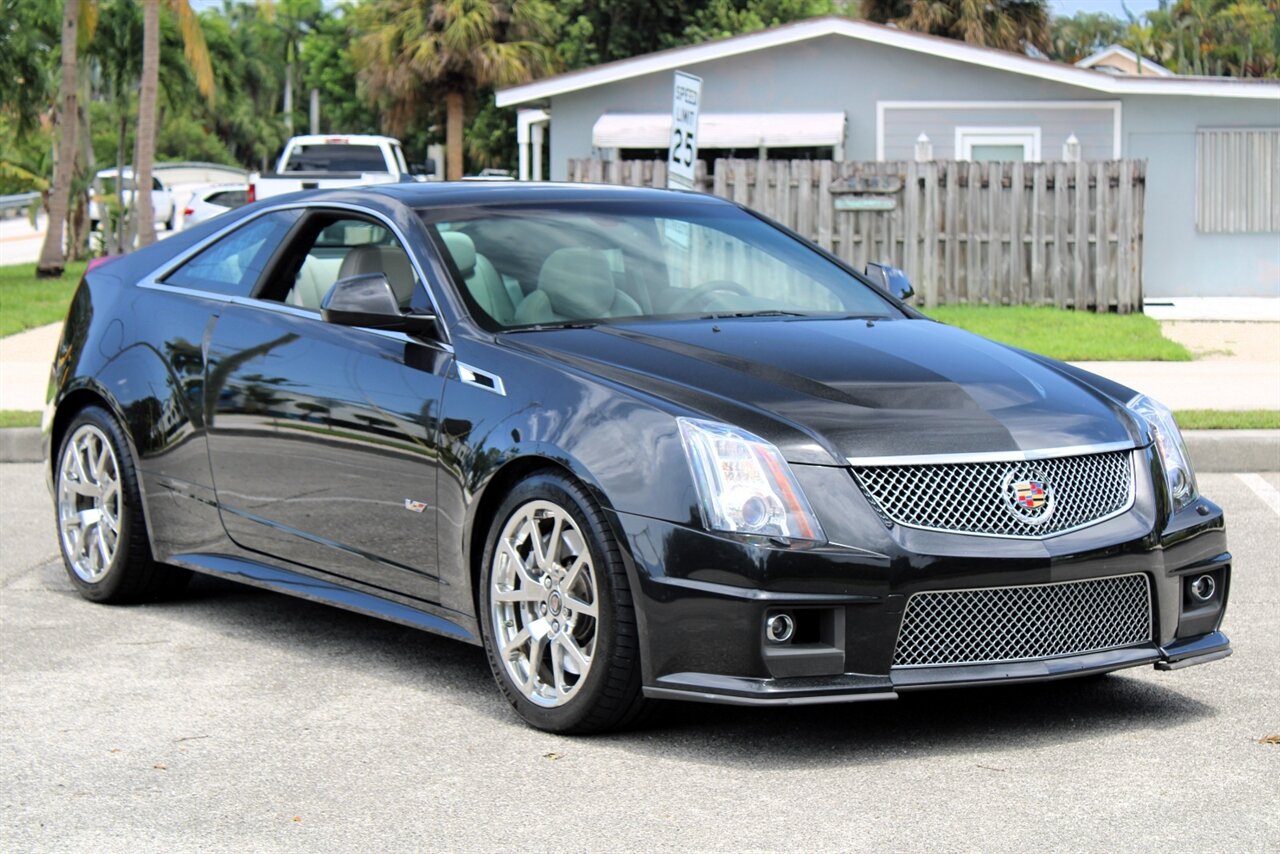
(350, 247)
(526, 272)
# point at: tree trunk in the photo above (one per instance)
(145, 149)
(453, 135)
(121, 220)
(52, 262)
(81, 235)
(288, 97)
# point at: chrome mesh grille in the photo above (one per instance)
(979, 498)
(1019, 623)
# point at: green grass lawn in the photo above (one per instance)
(1073, 336)
(19, 418)
(1223, 419)
(27, 302)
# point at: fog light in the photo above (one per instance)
(779, 628)
(1203, 588)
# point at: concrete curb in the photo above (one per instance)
(20, 445)
(1233, 450)
(1210, 450)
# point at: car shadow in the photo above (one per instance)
(920, 725)
(915, 726)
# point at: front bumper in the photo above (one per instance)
(703, 599)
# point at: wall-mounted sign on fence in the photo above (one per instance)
(865, 203)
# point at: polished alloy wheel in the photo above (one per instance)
(89, 503)
(543, 603)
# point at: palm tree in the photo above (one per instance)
(1006, 24)
(52, 261)
(294, 19)
(1076, 37)
(145, 144)
(453, 47)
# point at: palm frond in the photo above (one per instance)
(195, 48)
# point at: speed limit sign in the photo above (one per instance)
(682, 153)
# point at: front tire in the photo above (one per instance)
(556, 612)
(101, 531)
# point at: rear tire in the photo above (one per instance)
(556, 612)
(101, 531)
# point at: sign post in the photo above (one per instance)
(682, 155)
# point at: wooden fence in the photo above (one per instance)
(1062, 234)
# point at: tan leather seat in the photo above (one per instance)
(575, 284)
(388, 260)
(482, 279)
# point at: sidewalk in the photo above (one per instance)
(24, 366)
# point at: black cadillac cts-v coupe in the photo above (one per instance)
(638, 444)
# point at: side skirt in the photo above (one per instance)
(318, 590)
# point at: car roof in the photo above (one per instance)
(461, 193)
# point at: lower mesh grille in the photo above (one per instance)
(1000, 624)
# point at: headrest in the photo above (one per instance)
(463, 250)
(360, 260)
(399, 270)
(391, 261)
(578, 282)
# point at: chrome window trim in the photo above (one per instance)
(906, 608)
(150, 284)
(993, 456)
(152, 279)
(469, 375)
(1120, 511)
(291, 310)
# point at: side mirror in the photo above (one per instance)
(429, 167)
(367, 300)
(891, 280)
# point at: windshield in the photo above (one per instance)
(532, 266)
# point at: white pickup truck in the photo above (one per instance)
(326, 161)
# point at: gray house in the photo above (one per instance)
(834, 88)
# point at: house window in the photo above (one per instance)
(1237, 180)
(998, 143)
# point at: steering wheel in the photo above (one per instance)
(706, 289)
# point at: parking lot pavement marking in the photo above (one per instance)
(1268, 493)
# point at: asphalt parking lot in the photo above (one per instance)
(239, 720)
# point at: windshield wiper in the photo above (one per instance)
(769, 312)
(571, 324)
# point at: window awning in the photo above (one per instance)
(722, 130)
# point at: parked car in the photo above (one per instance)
(209, 201)
(638, 444)
(104, 196)
(327, 162)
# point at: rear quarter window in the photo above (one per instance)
(233, 264)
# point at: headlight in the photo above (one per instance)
(1173, 452)
(744, 484)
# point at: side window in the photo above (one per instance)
(228, 198)
(350, 247)
(233, 264)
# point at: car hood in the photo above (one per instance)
(824, 390)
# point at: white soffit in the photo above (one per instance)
(721, 130)
(690, 56)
